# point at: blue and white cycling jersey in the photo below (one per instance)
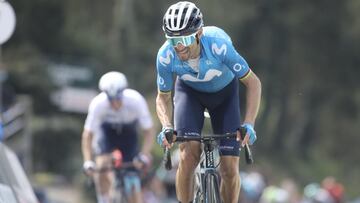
(219, 63)
(134, 110)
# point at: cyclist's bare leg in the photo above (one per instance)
(189, 158)
(103, 179)
(136, 197)
(230, 179)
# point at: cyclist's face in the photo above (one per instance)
(186, 52)
(183, 52)
(186, 47)
(116, 104)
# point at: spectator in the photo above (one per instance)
(274, 194)
(313, 193)
(335, 189)
(252, 187)
(292, 189)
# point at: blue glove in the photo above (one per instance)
(250, 130)
(161, 137)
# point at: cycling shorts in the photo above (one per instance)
(223, 107)
(118, 136)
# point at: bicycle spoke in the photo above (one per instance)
(212, 194)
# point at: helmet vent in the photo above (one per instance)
(182, 18)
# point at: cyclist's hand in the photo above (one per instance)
(250, 136)
(142, 161)
(161, 138)
(89, 167)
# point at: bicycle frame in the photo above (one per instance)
(206, 183)
(118, 193)
(208, 178)
(118, 188)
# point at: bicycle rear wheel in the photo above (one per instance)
(212, 192)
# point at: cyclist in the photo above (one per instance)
(112, 120)
(208, 69)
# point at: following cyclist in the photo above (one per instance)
(112, 121)
(208, 70)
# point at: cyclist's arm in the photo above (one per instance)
(165, 82)
(86, 141)
(164, 108)
(92, 122)
(148, 141)
(253, 96)
(241, 70)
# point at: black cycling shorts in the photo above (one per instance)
(223, 107)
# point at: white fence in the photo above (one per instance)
(14, 185)
(16, 128)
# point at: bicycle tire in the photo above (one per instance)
(198, 191)
(119, 196)
(212, 191)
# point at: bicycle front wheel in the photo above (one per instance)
(212, 192)
(198, 189)
(119, 197)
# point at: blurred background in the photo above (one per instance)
(306, 54)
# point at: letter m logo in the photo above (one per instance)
(219, 51)
(167, 60)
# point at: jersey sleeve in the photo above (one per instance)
(164, 71)
(236, 63)
(93, 118)
(144, 115)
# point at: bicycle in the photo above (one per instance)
(207, 179)
(124, 175)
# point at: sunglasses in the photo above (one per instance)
(184, 40)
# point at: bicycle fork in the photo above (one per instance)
(208, 184)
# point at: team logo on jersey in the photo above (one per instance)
(166, 61)
(161, 80)
(238, 67)
(208, 62)
(209, 75)
(219, 51)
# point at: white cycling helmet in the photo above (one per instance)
(181, 19)
(113, 83)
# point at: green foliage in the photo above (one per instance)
(28, 75)
(57, 145)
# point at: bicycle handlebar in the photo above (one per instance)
(205, 138)
(248, 154)
(125, 165)
(167, 156)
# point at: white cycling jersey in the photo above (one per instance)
(134, 107)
